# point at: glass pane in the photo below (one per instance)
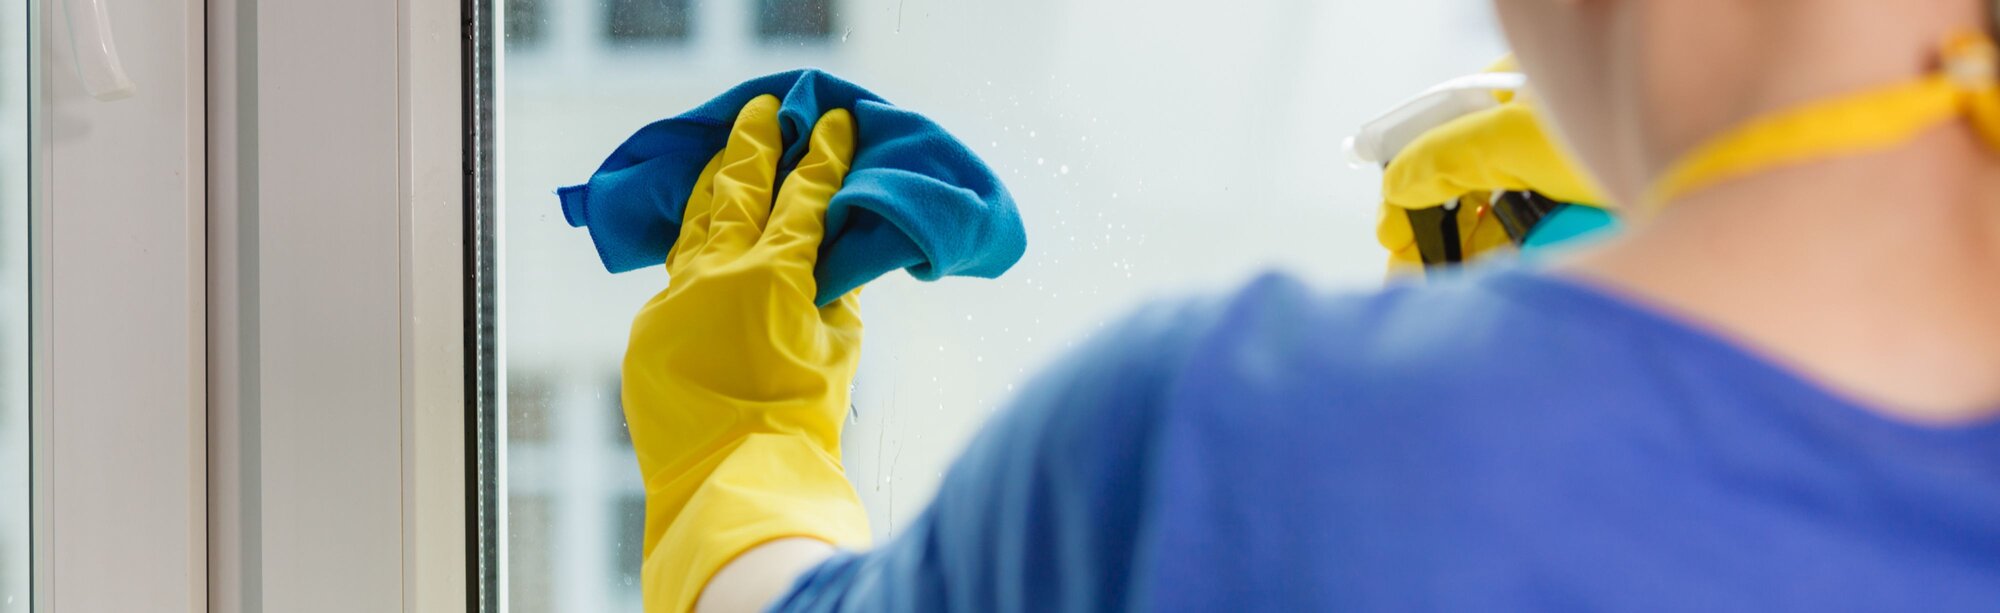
(794, 18)
(646, 20)
(15, 451)
(1156, 147)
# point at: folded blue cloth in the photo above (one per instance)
(916, 198)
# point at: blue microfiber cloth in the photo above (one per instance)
(916, 198)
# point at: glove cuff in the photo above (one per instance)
(769, 487)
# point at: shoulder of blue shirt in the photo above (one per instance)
(1075, 463)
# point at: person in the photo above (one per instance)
(1776, 389)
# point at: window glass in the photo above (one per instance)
(646, 20)
(1157, 148)
(15, 451)
(794, 18)
(524, 22)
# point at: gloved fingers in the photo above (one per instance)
(1393, 231)
(1539, 162)
(744, 183)
(1462, 156)
(1500, 149)
(695, 218)
(798, 223)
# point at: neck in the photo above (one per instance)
(1874, 275)
(1757, 58)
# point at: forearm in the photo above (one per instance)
(755, 579)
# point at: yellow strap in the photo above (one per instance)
(1968, 85)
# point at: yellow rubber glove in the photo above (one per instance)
(1479, 234)
(1500, 149)
(736, 385)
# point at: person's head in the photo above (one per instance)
(1634, 84)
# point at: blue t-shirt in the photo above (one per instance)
(1504, 441)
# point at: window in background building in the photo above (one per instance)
(645, 21)
(621, 437)
(531, 555)
(794, 19)
(525, 23)
(529, 396)
(628, 523)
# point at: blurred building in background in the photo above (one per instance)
(1157, 148)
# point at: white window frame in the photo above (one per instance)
(117, 200)
(248, 312)
(338, 414)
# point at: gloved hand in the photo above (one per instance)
(735, 384)
(1504, 148)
